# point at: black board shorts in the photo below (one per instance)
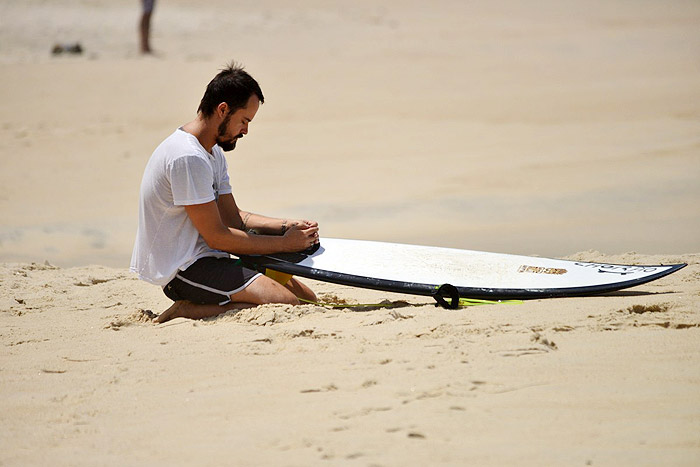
(210, 280)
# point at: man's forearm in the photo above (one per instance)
(262, 224)
(240, 242)
(229, 236)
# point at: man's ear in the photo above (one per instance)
(222, 109)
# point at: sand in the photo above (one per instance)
(546, 128)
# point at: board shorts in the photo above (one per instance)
(148, 5)
(210, 280)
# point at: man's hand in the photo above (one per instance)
(301, 235)
(302, 222)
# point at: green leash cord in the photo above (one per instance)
(450, 291)
(475, 302)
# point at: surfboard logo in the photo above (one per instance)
(541, 270)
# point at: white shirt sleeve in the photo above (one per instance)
(191, 181)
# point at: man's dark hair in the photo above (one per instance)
(232, 85)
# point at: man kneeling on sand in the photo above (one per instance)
(189, 223)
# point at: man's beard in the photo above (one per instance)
(226, 145)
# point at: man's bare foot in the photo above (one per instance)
(171, 313)
(186, 309)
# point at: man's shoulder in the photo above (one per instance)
(180, 144)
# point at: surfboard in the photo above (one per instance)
(421, 270)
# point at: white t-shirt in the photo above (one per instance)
(179, 173)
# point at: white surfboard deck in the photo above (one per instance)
(416, 269)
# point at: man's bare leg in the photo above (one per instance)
(299, 289)
(262, 290)
(265, 290)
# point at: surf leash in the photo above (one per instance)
(454, 304)
(449, 291)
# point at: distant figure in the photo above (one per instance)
(145, 26)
